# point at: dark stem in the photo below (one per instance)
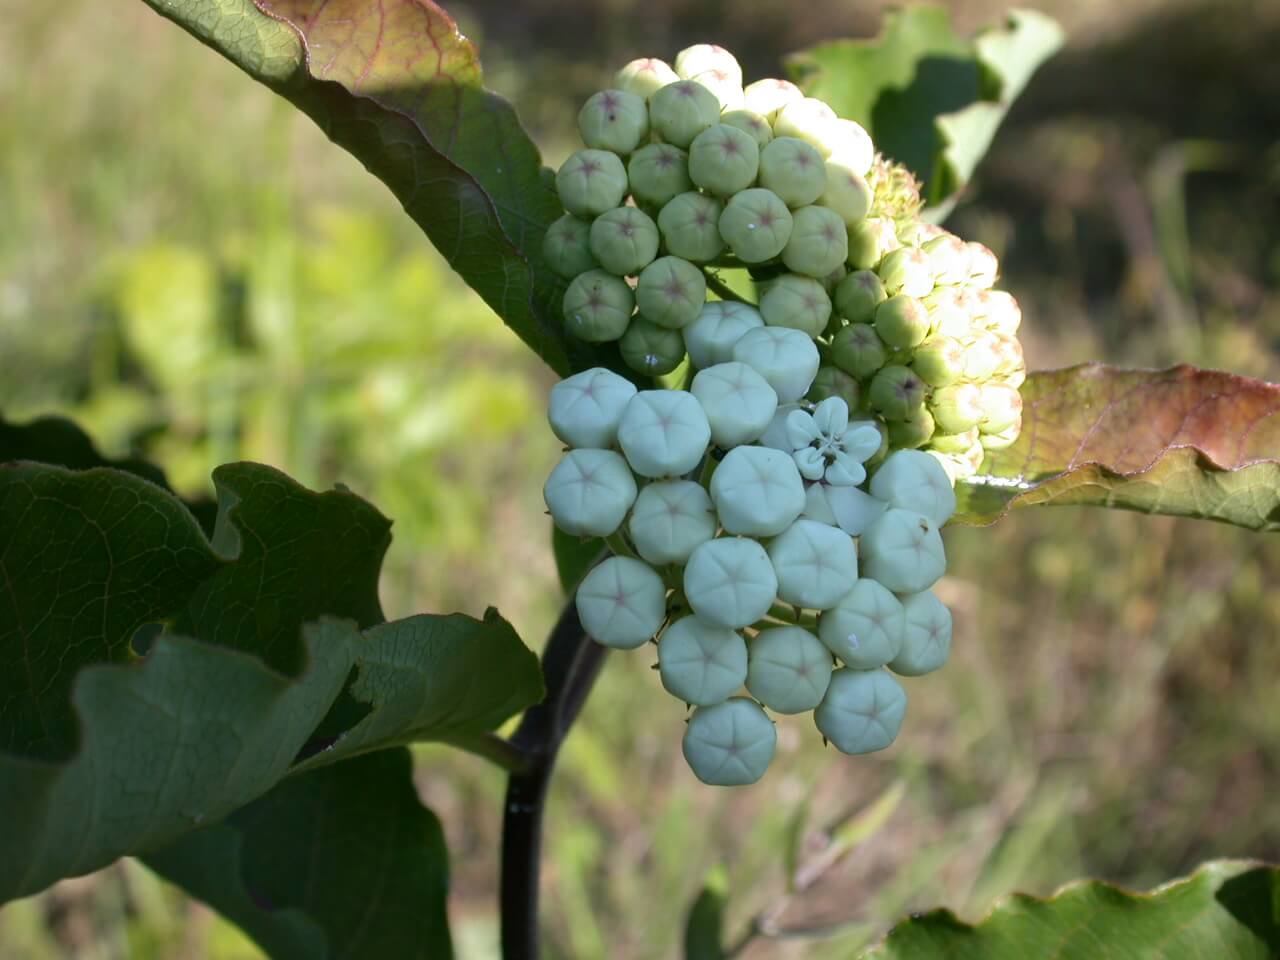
(570, 665)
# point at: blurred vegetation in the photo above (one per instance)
(196, 275)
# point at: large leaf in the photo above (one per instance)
(398, 86)
(1183, 441)
(1226, 909)
(704, 930)
(930, 98)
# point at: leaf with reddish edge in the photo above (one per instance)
(399, 87)
(1183, 441)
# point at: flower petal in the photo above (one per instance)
(775, 435)
(845, 471)
(832, 416)
(855, 510)
(816, 506)
(801, 430)
(810, 463)
(862, 442)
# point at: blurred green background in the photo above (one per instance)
(190, 270)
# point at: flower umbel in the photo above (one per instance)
(826, 448)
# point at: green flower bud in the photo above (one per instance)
(566, 246)
(622, 603)
(756, 225)
(758, 493)
(956, 408)
(846, 193)
(589, 492)
(851, 146)
(738, 402)
(624, 240)
(911, 480)
(658, 173)
(690, 226)
(829, 284)
(793, 170)
(926, 642)
(862, 711)
(864, 629)
(1001, 407)
(726, 90)
(1001, 439)
(729, 582)
(701, 663)
(670, 519)
(1001, 311)
(939, 361)
(948, 313)
(729, 744)
(789, 669)
(819, 242)
(858, 295)
(984, 268)
(953, 443)
(858, 350)
(644, 76)
(869, 241)
(711, 337)
(584, 410)
(702, 57)
(896, 393)
(786, 358)
(671, 292)
(917, 233)
(597, 306)
(809, 120)
(723, 160)
(767, 97)
(591, 182)
(902, 322)
(834, 382)
(650, 349)
(903, 551)
(682, 110)
(949, 258)
(982, 356)
(816, 564)
(907, 270)
(663, 433)
(752, 124)
(908, 434)
(796, 302)
(614, 120)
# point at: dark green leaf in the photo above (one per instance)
(1183, 441)
(1225, 910)
(341, 863)
(574, 556)
(704, 931)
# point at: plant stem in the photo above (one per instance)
(722, 289)
(493, 748)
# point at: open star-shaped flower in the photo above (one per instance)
(825, 447)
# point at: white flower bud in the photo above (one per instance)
(645, 76)
(589, 492)
(789, 669)
(926, 642)
(663, 433)
(710, 339)
(809, 120)
(701, 663)
(730, 582)
(862, 711)
(738, 402)
(865, 629)
(730, 744)
(851, 509)
(702, 57)
(757, 491)
(786, 358)
(767, 97)
(622, 603)
(915, 481)
(585, 409)
(816, 564)
(670, 519)
(903, 550)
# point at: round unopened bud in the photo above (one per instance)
(1010, 351)
(566, 246)
(914, 481)
(723, 86)
(719, 326)
(775, 435)
(858, 350)
(658, 172)
(729, 582)
(739, 403)
(907, 270)
(757, 492)
(816, 564)
(869, 241)
(585, 409)
(786, 358)
(982, 355)
(846, 193)
(589, 492)
(1002, 313)
(809, 120)
(1002, 439)
(650, 349)
(644, 76)
(702, 57)
(896, 393)
(903, 551)
(864, 629)
(622, 603)
(819, 242)
(723, 160)
(912, 433)
(663, 433)
(671, 292)
(767, 97)
(750, 123)
(834, 382)
(926, 642)
(949, 257)
(729, 744)
(598, 306)
(670, 519)
(591, 182)
(955, 443)
(939, 361)
(793, 170)
(690, 226)
(1001, 407)
(756, 225)
(858, 295)
(614, 120)
(851, 146)
(983, 266)
(680, 111)
(701, 663)
(862, 711)
(624, 240)
(789, 669)
(949, 313)
(797, 302)
(957, 408)
(917, 233)
(902, 321)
